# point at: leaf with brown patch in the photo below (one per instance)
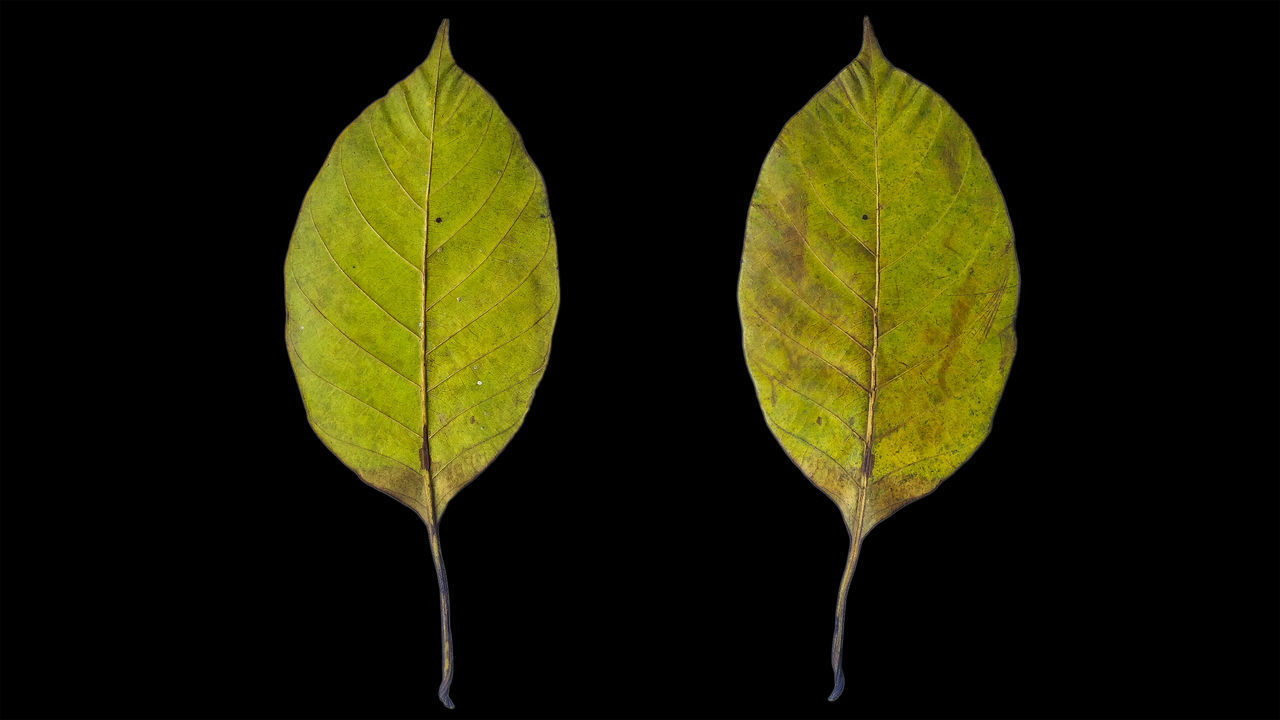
(878, 292)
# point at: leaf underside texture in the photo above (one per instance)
(421, 291)
(878, 291)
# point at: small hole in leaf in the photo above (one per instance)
(864, 217)
(440, 220)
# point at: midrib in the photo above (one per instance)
(422, 338)
(868, 458)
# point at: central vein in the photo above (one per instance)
(868, 459)
(422, 338)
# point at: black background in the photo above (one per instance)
(177, 543)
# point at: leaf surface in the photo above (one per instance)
(878, 290)
(421, 290)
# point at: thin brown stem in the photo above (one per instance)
(842, 600)
(446, 634)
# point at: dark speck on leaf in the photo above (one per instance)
(439, 220)
(864, 217)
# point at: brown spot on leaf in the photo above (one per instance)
(960, 311)
(947, 242)
(819, 420)
(867, 470)
(791, 221)
(932, 336)
(473, 419)
(1008, 346)
(948, 151)
(399, 482)
(424, 453)
(931, 431)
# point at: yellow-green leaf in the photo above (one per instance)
(878, 291)
(421, 289)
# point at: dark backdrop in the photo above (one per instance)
(177, 543)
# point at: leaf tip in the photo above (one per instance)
(442, 36)
(870, 45)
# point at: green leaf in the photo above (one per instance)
(423, 257)
(878, 291)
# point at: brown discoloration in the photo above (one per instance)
(424, 453)
(784, 258)
(770, 305)
(932, 336)
(400, 483)
(819, 420)
(931, 432)
(473, 419)
(1008, 346)
(960, 310)
(894, 492)
(948, 152)
(796, 206)
(868, 466)
(947, 242)
(790, 219)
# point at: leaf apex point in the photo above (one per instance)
(870, 45)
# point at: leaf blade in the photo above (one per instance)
(878, 268)
(421, 291)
